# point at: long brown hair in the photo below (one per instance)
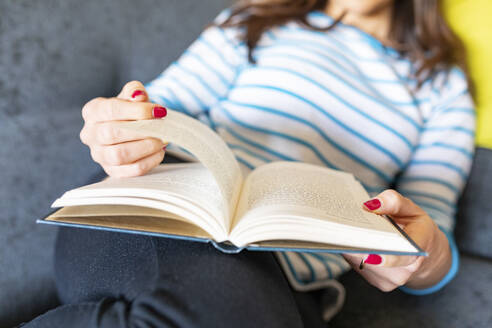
(418, 29)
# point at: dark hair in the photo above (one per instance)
(418, 29)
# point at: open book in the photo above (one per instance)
(278, 206)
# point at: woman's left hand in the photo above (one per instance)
(388, 272)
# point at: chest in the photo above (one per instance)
(330, 95)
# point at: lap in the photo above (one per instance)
(187, 280)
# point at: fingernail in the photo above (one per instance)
(138, 93)
(159, 112)
(373, 259)
(164, 148)
(373, 204)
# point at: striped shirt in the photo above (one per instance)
(339, 99)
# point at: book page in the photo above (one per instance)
(153, 224)
(201, 141)
(293, 201)
(187, 185)
(113, 210)
(316, 191)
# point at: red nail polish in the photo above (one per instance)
(159, 112)
(138, 93)
(373, 204)
(164, 148)
(373, 259)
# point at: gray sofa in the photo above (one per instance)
(57, 54)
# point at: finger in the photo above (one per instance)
(133, 91)
(422, 231)
(107, 133)
(114, 109)
(354, 259)
(392, 203)
(390, 261)
(416, 223)
(127, 152)
(135, 169)
(398, 275)
(384, 278)
(380, 261)
(370, 274)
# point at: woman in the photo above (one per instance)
(370, 86)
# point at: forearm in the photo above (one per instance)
(435, 266)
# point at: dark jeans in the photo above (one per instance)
(108, 279)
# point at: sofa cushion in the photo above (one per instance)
(51, 62)
(465, 302)
(55, 55)
(474, 225)
(44, 160)
(159, 32)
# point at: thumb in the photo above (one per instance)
(134, 91)
(413, 219)
(391, 202)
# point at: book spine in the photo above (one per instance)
(226, 247)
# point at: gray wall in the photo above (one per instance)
(55, 55)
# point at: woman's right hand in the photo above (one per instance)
(122, 153)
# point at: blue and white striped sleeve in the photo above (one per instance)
(202, 75)
(439, 168)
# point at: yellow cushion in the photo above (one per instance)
(472, 21)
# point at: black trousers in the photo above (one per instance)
(108, 279)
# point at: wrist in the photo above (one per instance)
(434, 267)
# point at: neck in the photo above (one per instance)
(376, 23)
